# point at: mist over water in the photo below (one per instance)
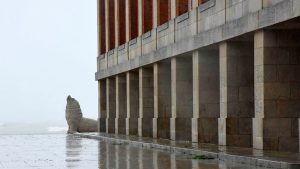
(48, 51)
(33, 128)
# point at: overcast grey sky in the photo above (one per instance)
(48, 50)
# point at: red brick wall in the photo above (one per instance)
(121, 19)
(147, 15)
(163, 11)
(133, 19)
(111, 6)
(102, 38)
(182, 6)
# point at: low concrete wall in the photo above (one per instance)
(149, 42)
(186, 25)
(165, 34)
(123, 53)
(134, 48)
(112, 58)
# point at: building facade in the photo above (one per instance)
(225, 72)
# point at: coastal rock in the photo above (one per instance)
(75, 120)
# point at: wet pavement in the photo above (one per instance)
(68, 151)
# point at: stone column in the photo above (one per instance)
(195, 3)
(99, 107)
(237, 93)
(223, 95)
(277, 98)
(132, 89)
(182, 97)
(121, 109)
(127, 22)
(102, 105)
(162, 99)
(140, 17)
(117, 106)
(173, 9)
(146, 96)
(195, 96)
(155, 99)
(154, 8)
(110, 104)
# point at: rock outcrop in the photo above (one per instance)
(76, 122)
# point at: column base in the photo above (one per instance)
(195, 130)
(116, 126)
(154, 127)
(222, 131)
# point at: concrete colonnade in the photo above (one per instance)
(242, 92)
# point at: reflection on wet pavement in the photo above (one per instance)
(67, 151)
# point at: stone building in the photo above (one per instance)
(225, 72)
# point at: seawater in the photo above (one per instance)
(50, 147)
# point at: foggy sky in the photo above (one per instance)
(48, 49)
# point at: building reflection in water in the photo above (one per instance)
(122, 156)
(82, 153)
(73, 151)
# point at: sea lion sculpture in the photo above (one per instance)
(76, 122)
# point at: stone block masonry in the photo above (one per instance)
(220, 72)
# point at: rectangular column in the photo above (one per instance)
(132, 89)
(155, 99)
(110, 104)
(195, 96)
(162, 99)
(121, 104)
(236, 93)
(155, 13)
(116, 10)
(223, 95)
(127, 17)
(146, 96)
(173, 9)
(140, 17)
(277, 98)
(102, 105)
(182, 97)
